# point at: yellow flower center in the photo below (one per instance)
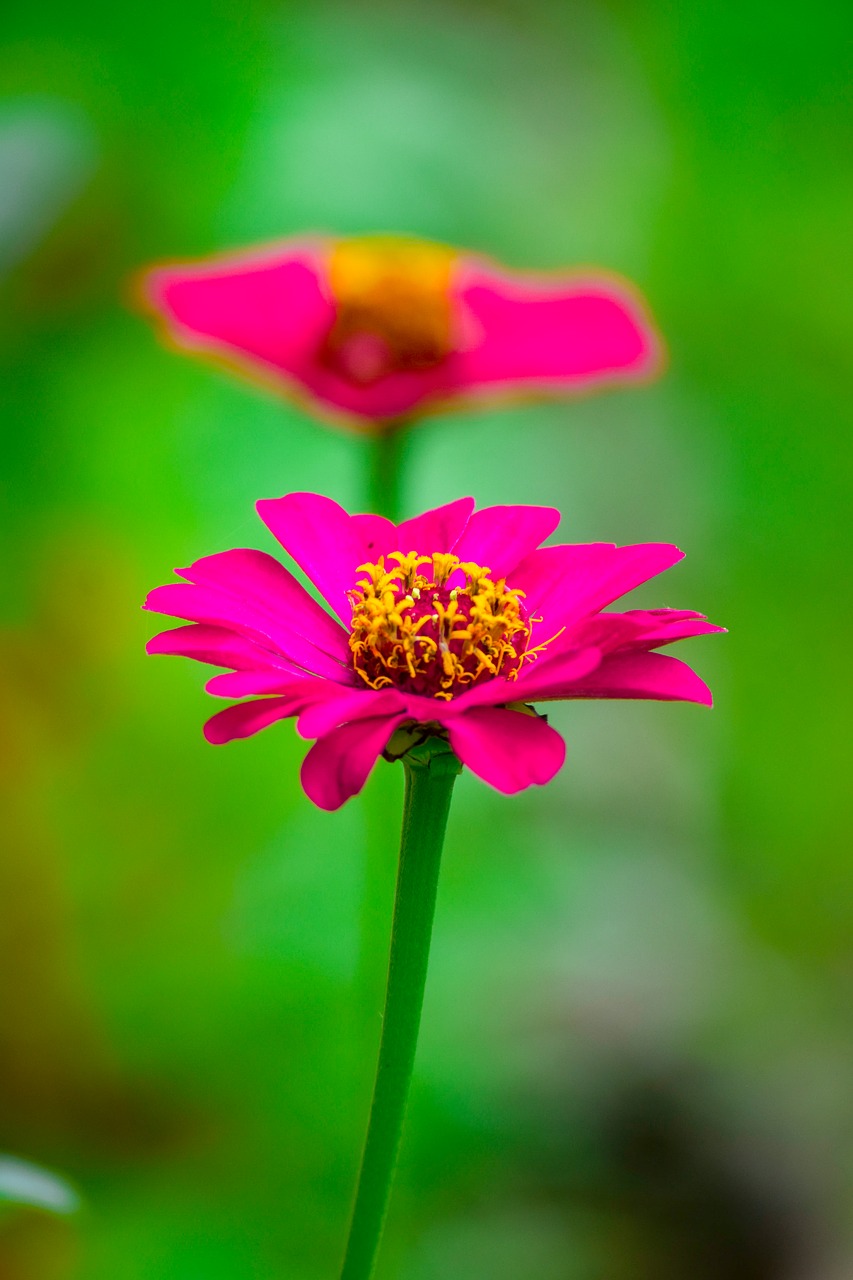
(433, 625)
(393, 304)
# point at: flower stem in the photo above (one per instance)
(385, 467)
(431, 770)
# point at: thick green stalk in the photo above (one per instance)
(388, 446)
(431, 770)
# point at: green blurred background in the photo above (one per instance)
(636, 1053)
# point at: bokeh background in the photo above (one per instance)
(636, 1052)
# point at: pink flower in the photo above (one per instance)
(451, 623)
(385, 328)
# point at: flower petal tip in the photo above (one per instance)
(214, 734)
(699, 692)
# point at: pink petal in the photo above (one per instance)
(437, 530)
(639, 629)
(319, 704)
(557, 335)
(257, 579)
(337, 766)
(535, 676)
(344, 706)
(268, 310)
(665, 626)
(605, 631)
(508, 749)
(212, 606)
(540, 675)
(562, 584)
(326, 543)
(244, 684)
(394, 396)
(635, 675)
(220, 646)
(425, 710)
(499, 537)
(246, 718)
(375, 536)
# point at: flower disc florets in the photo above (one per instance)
(434, 625)
(393, 304)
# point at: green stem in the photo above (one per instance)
(385, 466)
(431, 771)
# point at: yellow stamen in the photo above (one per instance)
(410, 629)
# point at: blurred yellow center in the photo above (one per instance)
(393, 305)
(411, 628)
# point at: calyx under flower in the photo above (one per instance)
(434, 625)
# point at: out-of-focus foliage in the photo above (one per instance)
(635, 1058)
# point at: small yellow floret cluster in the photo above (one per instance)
(412, 629)
(397, 291)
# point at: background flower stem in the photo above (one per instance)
(388, 447)
(431, 771)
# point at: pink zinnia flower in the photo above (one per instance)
(451, 623)
(386, 328)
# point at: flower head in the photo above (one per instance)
(453, 623)
(382, 328)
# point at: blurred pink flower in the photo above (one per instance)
(386, 328)
(451, 623)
